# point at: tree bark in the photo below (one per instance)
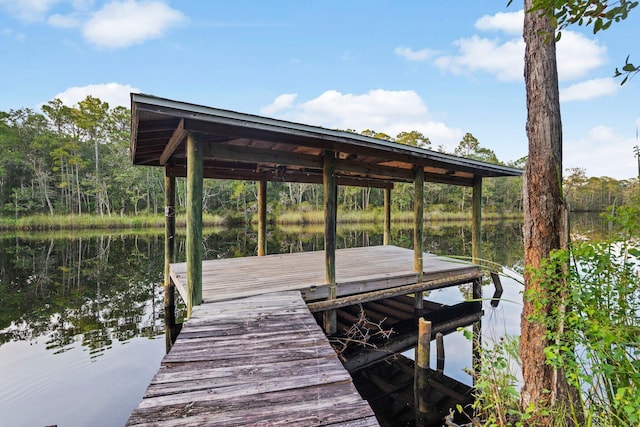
(544, 387)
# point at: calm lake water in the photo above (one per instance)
(81, 330)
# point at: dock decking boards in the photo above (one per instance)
(357, 270)
(260, 360)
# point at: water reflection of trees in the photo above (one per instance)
(93, 290)
(98, 289)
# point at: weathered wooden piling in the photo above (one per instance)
(422, 391)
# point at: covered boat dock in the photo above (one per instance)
(199, 142)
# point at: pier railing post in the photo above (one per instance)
(418, 230)
(330, 221)
(194, 220)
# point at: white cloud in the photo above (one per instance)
(124, 23)
(28, 10)
(592, 151)
(589, 89)
(504, 59)
(508, 22)
(381, 110)
(414, 55)
(578, 55)
(63, 21)
(282, 102)
(115, 94)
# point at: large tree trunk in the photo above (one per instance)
(543, 209)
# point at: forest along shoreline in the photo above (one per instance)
(299, 217)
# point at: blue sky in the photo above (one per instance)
(443, 68)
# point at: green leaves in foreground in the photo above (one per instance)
(596, 332)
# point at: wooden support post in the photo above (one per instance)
(169, 255)
(440, 354)
(194, 221)
(476, 224)
(330, 221)
(421, 387)
(418, 230)
(262, 218)
(387, 217)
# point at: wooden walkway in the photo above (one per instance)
(253, 354)
(357, 270)
(253, 361)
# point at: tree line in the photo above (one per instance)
(75, 160)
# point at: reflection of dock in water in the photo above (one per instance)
(253, 352)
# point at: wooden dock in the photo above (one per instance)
(260, 360)
(358, 270)
(253, 353)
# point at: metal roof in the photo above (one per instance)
(244, 146)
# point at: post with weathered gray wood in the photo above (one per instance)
(418, 230)
(387, 217)
(476, 224)
(421, 388)
(262, 218)
(194, 221)
(169, 255)
(330, 220)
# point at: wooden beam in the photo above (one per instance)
(262, 218)
(260, 155)
(194, 221)
(330, 195)
(394, 291)
(418, 229)
(476, 224)
(179, 134)
(351, 166)
(272, 175)
(387, 217)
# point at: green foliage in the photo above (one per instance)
(496, 386)
(593, 296)
(595, 333)
(600, 14)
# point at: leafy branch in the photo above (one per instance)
(600, 14)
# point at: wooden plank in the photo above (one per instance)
(245, 373)
(234, 366)
(321, 405)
